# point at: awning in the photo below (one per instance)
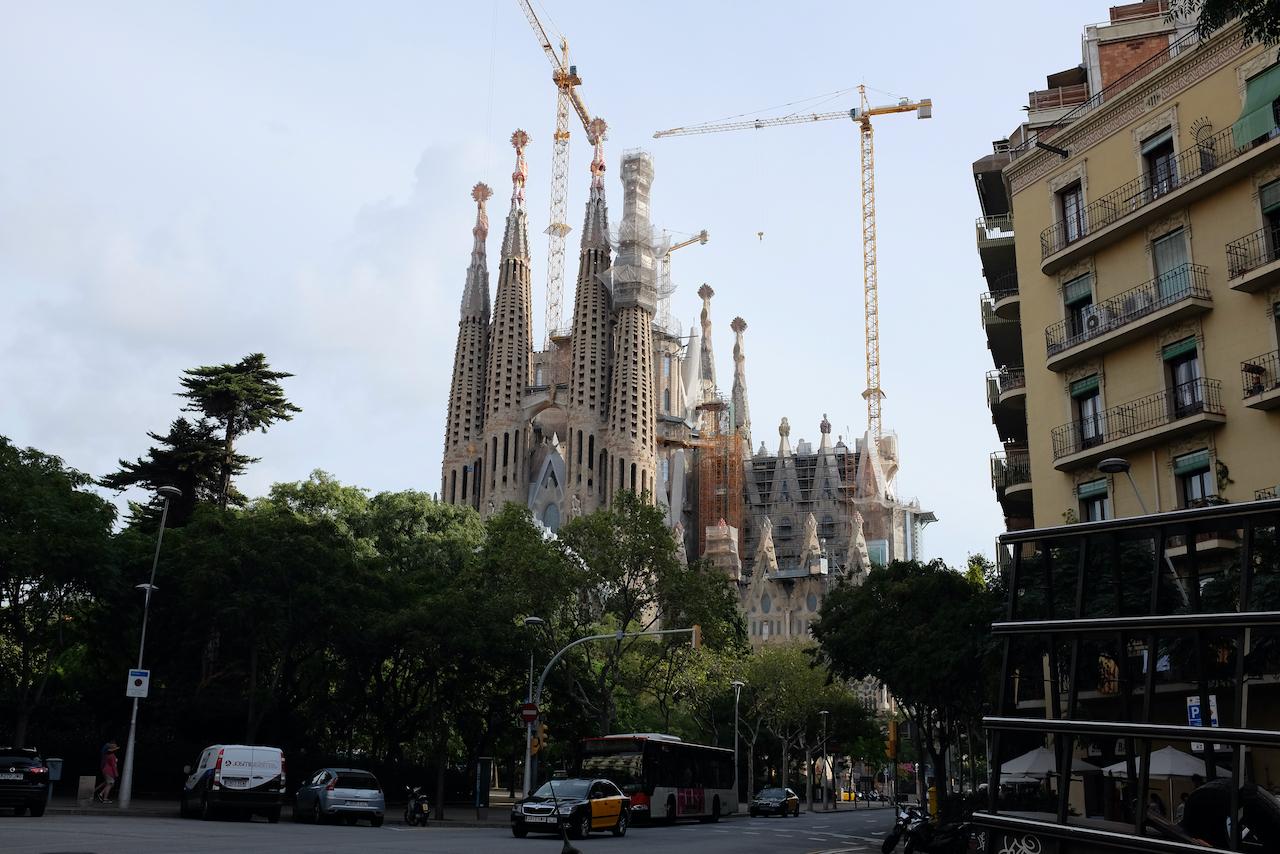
(1088, 385)
(1269, 196)
(1179, 348)
(1092, 489)
(1077, 289)
(1257, 118)
(1193, 462)
(1154, 142)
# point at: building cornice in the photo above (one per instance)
(1186, 70)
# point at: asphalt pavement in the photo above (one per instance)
(847, 830)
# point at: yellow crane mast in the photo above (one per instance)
(862, 115)
(566, 79)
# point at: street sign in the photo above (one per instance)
(1195, 717)
(139, 681)
(528, 712)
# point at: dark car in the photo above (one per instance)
(580, 805)
(340, 793)
(24, 780)
(775, 801)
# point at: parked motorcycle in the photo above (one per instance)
(416, 810)
(923, 837)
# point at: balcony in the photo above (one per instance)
(1149, 420)
(1007, 400)
(1011, 479)
(1004, 334)
(1260, 381)
(1005, 300)
(1180, 293)
(1198, 171)
(1253, 261)
(995, 244)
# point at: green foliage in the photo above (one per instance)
(1261, 17)
(54, 559)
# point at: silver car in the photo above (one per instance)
(340, 793)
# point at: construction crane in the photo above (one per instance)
(862, 115)
(665, 286)
(565, 76)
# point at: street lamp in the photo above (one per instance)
(126, 779)
(737, 787)
(529, 622)
(1115, 465)
(824, 714)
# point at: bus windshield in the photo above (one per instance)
(626, 770)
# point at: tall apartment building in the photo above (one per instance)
(1134, 311)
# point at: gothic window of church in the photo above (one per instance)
(766, 603)
(506, 450)
(551, 516)
(811, 602)
(579, 447)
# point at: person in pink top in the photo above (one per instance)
(109, 772)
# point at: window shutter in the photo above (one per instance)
(1179, 348)
(1191, 463)
(1081, 288)
(1154, 142)
(1256, 119)
(1092, 489)
(1269, 195)
(1170, 252)
(1084, 387)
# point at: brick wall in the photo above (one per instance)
(1117, 59)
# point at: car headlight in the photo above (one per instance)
(565, 810)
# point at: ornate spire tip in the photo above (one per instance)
(481, 193)
(738, 325)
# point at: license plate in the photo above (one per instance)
(426, 808)
(235, 781)
(540, 819)
(10, 776)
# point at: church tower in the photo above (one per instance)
(460, 477)
(632, 413)
(586, 457)
(510, 350)
(741, 411)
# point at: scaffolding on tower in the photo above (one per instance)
(719, 469)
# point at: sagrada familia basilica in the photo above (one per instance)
(624, 400)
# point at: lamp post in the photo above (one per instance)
(126, 778)
(1115, 465)
(737, 787)
(824, 714)
(529, 622)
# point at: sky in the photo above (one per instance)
(182, 184)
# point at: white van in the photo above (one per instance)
(235, 778)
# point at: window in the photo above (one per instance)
(1269, 197)
(537, 375)
(1173, 278)
(1157, 157)
(1086, 400)
(1258, 119)
(1194, 482)
(1095, 504)
(1182, 364)
(1071, 206)
(1077, 302)
(878, 551)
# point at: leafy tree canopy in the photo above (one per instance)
(1261, 17)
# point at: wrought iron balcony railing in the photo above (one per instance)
(1261, 373)
(1136, 416)
(995, 227)
(1010, 468)
(1190, 281)
(1251, 252)
(1190, 165)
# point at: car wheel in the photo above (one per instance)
(754, 814)
(620, 829)
(376, 821)
(350, 821)
(273, 816)
(797, 812)
(519, 832)
(206, 811)
(317, 817)
(37, 810)
(582, 827)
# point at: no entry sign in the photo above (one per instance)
(528, 712)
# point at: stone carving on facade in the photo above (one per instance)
(765, 559)
(677, 533)
(1186, 329)
(1070, 273)
(1151, 127)
(1172, 222)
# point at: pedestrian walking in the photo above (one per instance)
(108, 767)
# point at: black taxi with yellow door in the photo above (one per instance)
(580, 805)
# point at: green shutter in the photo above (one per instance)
(1092, 489)
(1179, 348)
(1078, 289)
(1269, 195)
(1154, 142)
(1257, 119)
(1189, 463)
(1086, 386)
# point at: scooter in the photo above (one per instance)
(922, 836)
(909, 817)
(416, 810)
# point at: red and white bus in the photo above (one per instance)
(666, 778)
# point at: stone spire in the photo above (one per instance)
(741, 412)
(707, 354)
(784, 438)
(631, 463)
(510, 351)
(470, 356)
(592, 326)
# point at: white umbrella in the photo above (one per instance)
(1042, 762)
(1167, 762)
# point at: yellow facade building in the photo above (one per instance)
(1134, 275)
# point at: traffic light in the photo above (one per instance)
(539, 738)
(697, 636)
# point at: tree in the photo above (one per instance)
(190, 456)
(54, 537)
(238, 398)
(935, 659)
(1261, 17)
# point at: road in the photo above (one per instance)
(857, 832)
